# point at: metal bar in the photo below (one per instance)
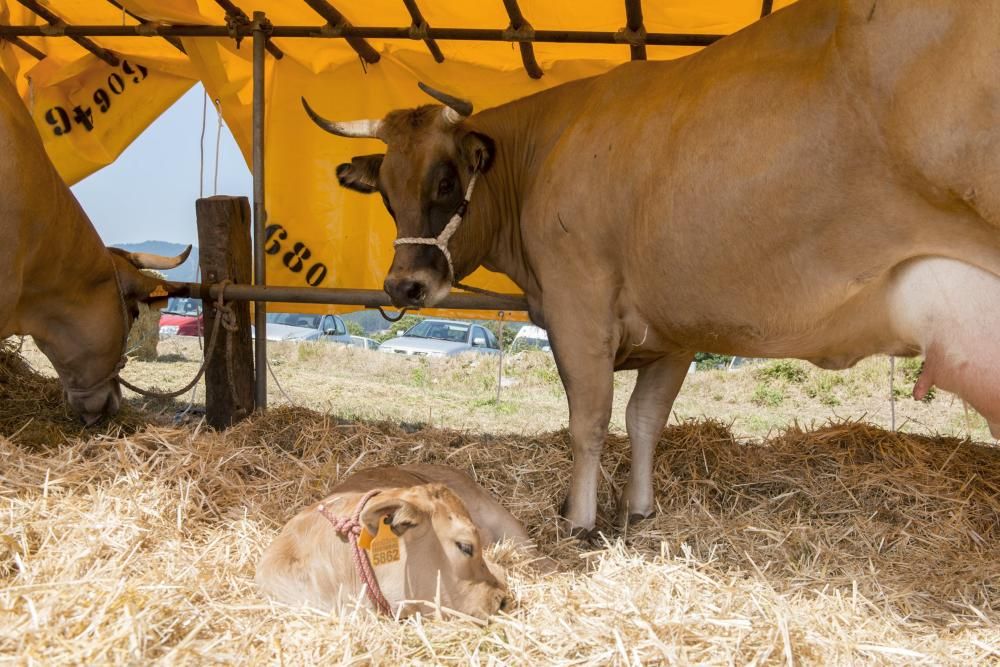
(174, 42)
(260, 38)
(419, 24)
(375, 32)
(367, 298)
(241, 17)
(765, 7)
(633, 23)
(336, 20)
(27, 48)
(518, 24)
(53, 20)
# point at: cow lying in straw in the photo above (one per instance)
(422, 527)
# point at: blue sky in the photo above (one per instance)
(148, 193)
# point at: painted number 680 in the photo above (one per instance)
(296, 257)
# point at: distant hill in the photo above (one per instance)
(184, 273)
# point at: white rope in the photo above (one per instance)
(201, 146)
(441, 242)
(275, 378)
(218, 140)
(892, 389)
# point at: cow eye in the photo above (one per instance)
(465, 548)
(445, 187)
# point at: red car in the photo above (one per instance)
(182, 319)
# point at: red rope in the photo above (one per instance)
(350, 527)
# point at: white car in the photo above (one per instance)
(306, 327)
(530, 337)
(364, 343)
(442, 338)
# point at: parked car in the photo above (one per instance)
(306, 327)
(442, 338)
(530, 337)
(182, 317)
(365, 343)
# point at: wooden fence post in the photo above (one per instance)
(224, 250)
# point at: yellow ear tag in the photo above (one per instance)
(384, 546)
(158, 292)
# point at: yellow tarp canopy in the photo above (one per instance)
(88, 111)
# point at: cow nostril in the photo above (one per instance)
(506, 603)
(414, 291)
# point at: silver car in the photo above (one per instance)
(302, 327)
(442, 338)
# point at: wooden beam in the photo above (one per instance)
(635, 30)
(336, 20)
(173, 41)
(53, 19)
(224, 254)
(519, 26)
(236, 14)
(420, 27)
(26, 47)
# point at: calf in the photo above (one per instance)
(436, 521)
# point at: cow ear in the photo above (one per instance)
(146, 287)
(361, 173)
(478, 151)
(402, 514)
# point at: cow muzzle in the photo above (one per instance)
(420, 288)
(96, 403)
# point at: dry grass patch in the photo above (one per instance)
(844, 544)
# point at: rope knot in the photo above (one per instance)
(350, 528)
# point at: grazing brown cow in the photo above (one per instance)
(824, 184)
(440, 520)
(58, 282)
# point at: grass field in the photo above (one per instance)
(792, 527)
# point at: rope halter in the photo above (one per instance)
(441, 241)
(350, 527)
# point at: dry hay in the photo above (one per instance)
(33, 410)
(845, 544)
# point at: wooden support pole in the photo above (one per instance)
(520, 28)
(224, 248)
(53, 19)
(420, 27)
(335, 19)
(173, 41)
(24, 46)
(635, 31)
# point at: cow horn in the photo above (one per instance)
(363, 129)
(146, 260)
(455, 107)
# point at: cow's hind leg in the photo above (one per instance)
(648, 408)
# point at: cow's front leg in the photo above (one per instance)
(588, 376)
(655, 389)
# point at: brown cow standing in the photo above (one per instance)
(824, 184)
(58, 282)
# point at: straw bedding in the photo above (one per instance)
(844, 544)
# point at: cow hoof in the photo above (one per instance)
(632, 518)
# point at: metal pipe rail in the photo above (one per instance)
(333, 32)
(368, 298)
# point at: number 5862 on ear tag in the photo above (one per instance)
(383, 546)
